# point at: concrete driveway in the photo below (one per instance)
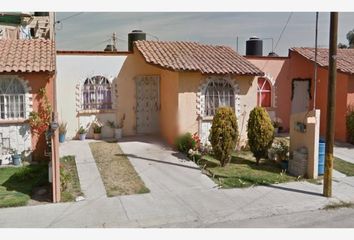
(344, 151)
(180, 195)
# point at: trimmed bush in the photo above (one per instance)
(350, 124)
(224, 134)
(185, 142)
(260, 133)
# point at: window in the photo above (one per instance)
(218, 93)
(12, 99)
(96, 93)
(264, 93)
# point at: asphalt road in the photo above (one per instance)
(338, 218)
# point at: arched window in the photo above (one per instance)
(264, 93)
(218, 93)
(12, 99)
(96, 93)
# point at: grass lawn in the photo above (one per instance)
(243, 171)
(344, 167)
(70, 184)
(17, 183)
(118, 175)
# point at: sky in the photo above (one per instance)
(92, 31)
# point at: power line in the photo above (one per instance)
(68, 17)
(281, 34)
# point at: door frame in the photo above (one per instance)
(140, 77)
(301, 79)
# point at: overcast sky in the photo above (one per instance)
(91, 31)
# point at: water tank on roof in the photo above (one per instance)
(135, 35)
(254, 47)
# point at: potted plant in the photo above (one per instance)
(279, 152)
(62, 131)
(16, 157)
(118, 128)
(276, 126)
(97, 129)
(82, 133)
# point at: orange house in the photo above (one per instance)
(293, 87)
(169, 88)
(26, 66)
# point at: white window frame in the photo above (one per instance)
(261, 90)
(14, 99)
(97, 88)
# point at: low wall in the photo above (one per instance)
(304, 132)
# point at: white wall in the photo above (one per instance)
(73, 70)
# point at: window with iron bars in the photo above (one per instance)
(218, 93)
(96, 93)
(12, 99)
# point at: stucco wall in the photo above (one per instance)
(276, 70)
(133, 66)
(72, 70)
(301, 67)
(187, 101)
(17, 130)
(308, 138)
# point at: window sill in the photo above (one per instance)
(207, 118)
(13, 121)
(95, 111)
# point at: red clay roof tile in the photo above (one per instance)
(192, 56)
(345, 57)
(33, 55)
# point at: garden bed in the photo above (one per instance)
(69, 179)
(19, 185)
(243, 171)
(118, 175)
(344, 167)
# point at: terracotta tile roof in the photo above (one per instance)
(192, 56)
(33, 55)
(345, 57)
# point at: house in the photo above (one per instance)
(85, 89)
(169, 88)
(27, 67)
(290, 81)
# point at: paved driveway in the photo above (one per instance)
(344, 151)
(180, 195)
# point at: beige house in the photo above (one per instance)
(169, 88)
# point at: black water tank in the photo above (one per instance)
(41, 14)
(135, 35)
(254, 47)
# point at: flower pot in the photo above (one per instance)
(276, 130)
(16, 159)
(284, 165)
(118, 133)
(97, 136)
(61, 137)
(82, 136)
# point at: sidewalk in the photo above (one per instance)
(180, 194)
(344, 151)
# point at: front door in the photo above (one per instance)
(301, 98)
(147, 104)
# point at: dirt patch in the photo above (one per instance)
(118, 175)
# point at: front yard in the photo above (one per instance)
(19, 184)
(243, 171)
(118, 175)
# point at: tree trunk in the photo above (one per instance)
(257, 160)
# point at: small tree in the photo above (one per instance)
(260, 133)
(350, 124)
(223, 134)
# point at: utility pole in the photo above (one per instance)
(114, 40)
(331, 104)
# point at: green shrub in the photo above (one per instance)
(350, 124)
(260, 133)
(223, 134)
(185, 142)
